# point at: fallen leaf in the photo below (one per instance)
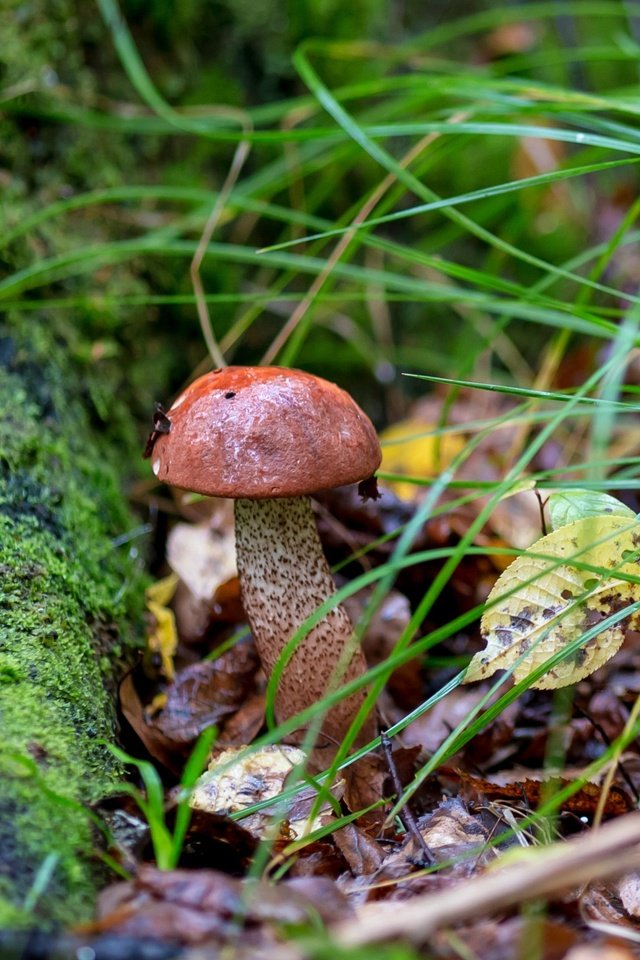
(600, 905)
(237, 779)
(203, 554)
(380, 638)
(204, 694)
(364, 786)
(363, 854)
(452, 833)
(515, 938)
(203, 557)
(547, 598)
(162, 638)
(414, 448)
(629, 893)
(190, 907)
(159, 746)
(526, 793)
(243, 725)
(212, 838)
(431, 729)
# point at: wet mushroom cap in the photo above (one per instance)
(264, 432)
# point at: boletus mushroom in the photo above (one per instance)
(268, 437)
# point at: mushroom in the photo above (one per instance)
(268, 437)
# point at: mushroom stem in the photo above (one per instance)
(284, 578)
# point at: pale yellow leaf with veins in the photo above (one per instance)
(546, 598)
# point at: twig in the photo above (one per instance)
(405, 814)
(609, 851)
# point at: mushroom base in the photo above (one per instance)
(284, 578)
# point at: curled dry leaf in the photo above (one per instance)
(455, 835)
(160, 747)
(237, 779)
(221, 692)
(206, 906)
(363, 854)
(564, 585)
(526, 793)
(206, 693)
(601, 908)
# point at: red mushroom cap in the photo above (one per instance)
(262, 432)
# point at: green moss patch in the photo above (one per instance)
(69, 609)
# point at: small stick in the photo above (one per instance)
(542, 504)
(408, 820)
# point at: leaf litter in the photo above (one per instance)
(473, 809)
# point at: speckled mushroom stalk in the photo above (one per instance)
(284, 578)
(268, 437)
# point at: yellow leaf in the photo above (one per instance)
(162, 638)
(162, 591)
(564, 585)
(412, 448)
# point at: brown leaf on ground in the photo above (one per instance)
(431, 729)
(221, 692)
(363, 854)
(629, 893)
(159, 746)
(214, 838)
(204, 906)
(203, 556)
(405, 684)
(600, 905)
(364, 786)
(319, 859)
(453, 832)
(206, 693)
(245, 724)
(515, 937)
(454, 836)
(607, 713)
(528, 793)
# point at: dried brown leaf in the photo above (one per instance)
(204, 694)
(159, 746)
(205, 906)
(629, 893)
(363, 854)
(527, 793)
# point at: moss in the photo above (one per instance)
(70, 607)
